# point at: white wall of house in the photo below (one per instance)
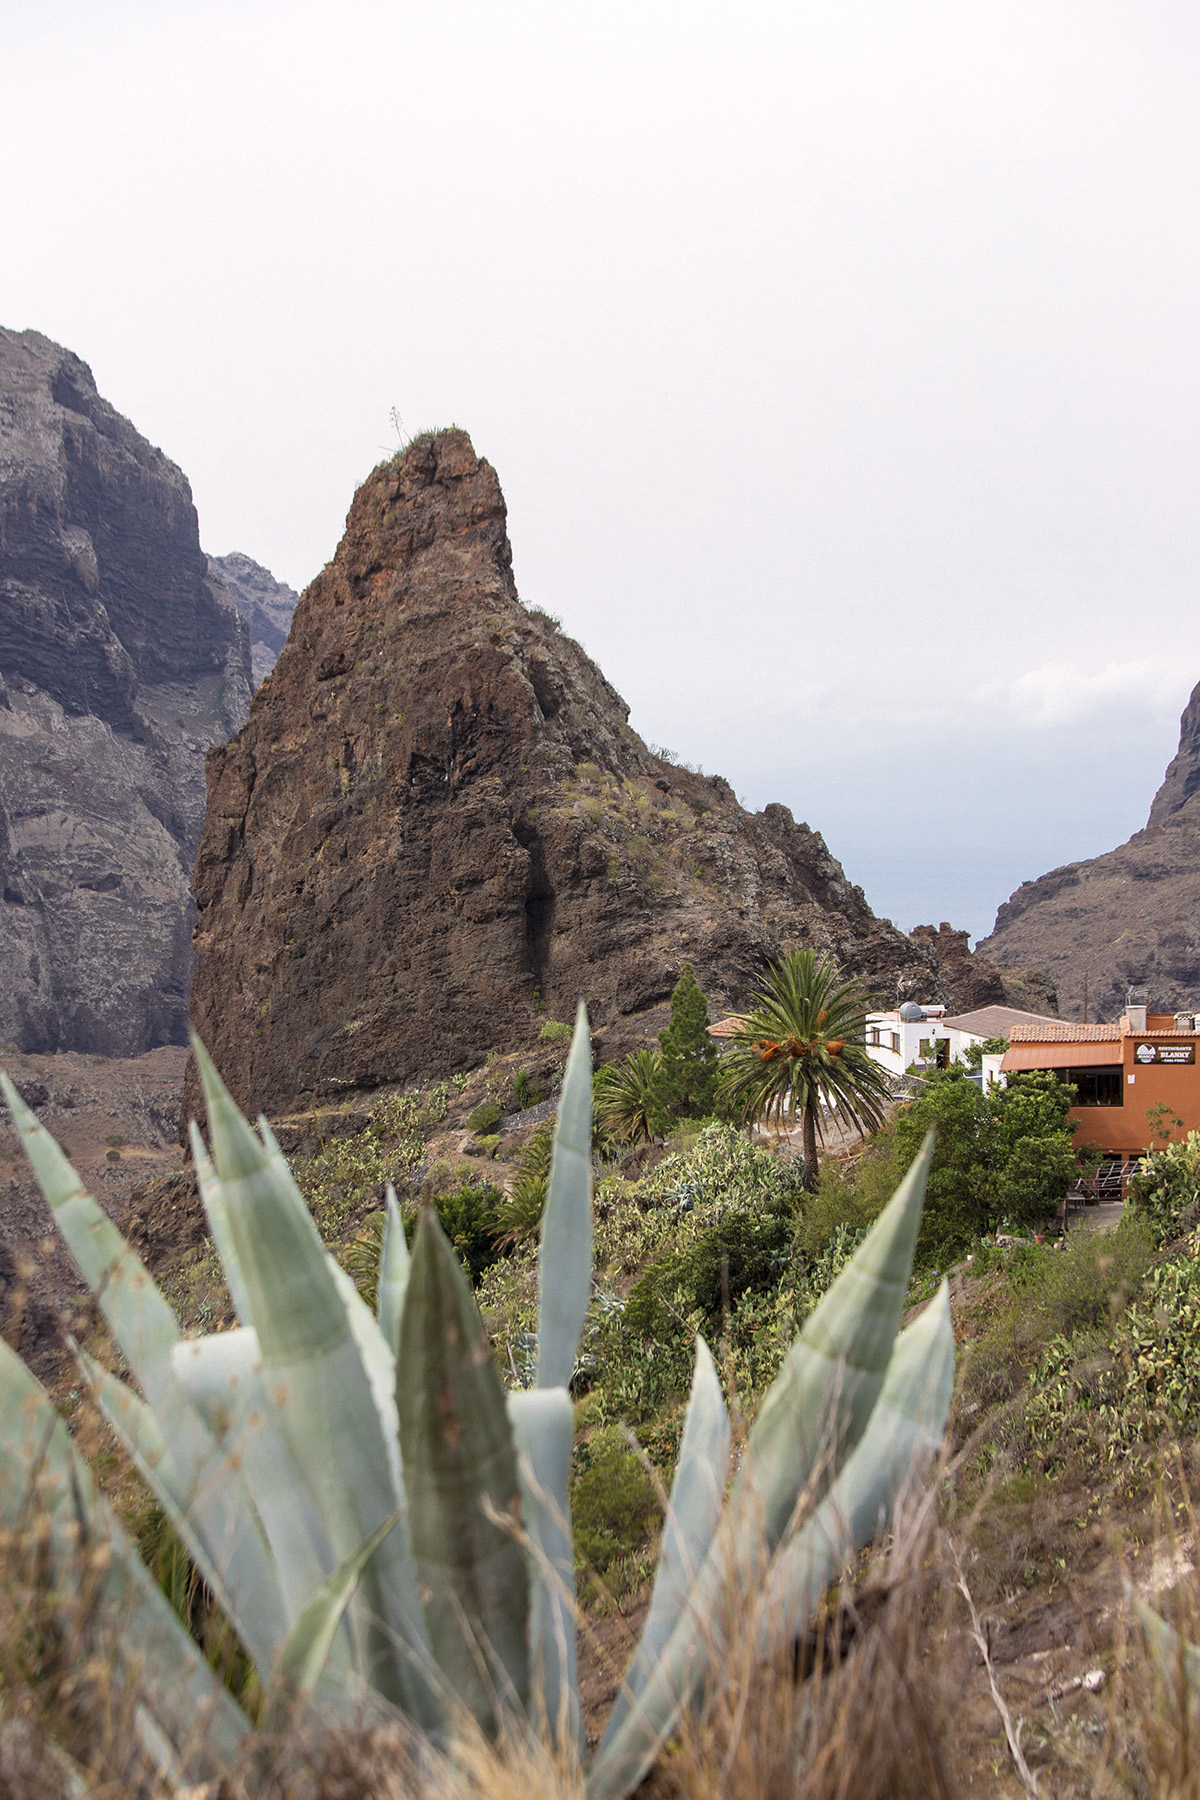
(896, 1043)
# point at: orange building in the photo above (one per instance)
(1122, 1071)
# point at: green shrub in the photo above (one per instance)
(614, 1506)
(854, 1198)
(554, 1032)
(526, 1090)
(467, 1215)
(485, 1118)
(1085, 1285)
(1166, 1193)
(743, 1253)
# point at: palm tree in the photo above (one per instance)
(629, 1097)
(802, 1045)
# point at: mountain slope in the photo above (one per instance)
(120, 663)
(1130, 917)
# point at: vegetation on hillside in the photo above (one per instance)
(1075, 1416)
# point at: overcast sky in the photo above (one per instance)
(839, 362)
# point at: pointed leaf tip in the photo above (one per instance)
(236, 1148)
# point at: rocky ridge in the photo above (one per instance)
(1129, 917)
(121, 661)
(266, 605)
(437, 828)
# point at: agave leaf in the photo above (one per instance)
(565, 1261)
(379, 1361)
(1174, 1655)
(812, 1417)
(543, 1423)
(305, 1652)
(818, 1407)
(222, 1538)
(141, 1320)
(104, 1599)
(906, 1429)
(213, 1196)
(460, 1471)
(223, 1379)
(321, 1397)
(697, 1495)
(393, 1271)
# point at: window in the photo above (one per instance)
(873, 1034)
(1096, 1087)
(895, 1042)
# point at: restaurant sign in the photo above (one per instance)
(1165, 1053)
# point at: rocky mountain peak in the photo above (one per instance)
(437, 828)
(1128, 918)
(1182, 778)
(266, 605)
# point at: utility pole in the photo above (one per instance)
(1085, 995)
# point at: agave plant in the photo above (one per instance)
(384, 1525)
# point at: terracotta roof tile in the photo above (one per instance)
(1061, 1031)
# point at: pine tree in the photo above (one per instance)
(689, 1056)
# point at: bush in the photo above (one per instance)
(553, 1032)
(742, 1254)
(1166, 1193)
(853, 1198)
(468, 1216)
(526, 1090)
(614, 1506)
(485, 1118)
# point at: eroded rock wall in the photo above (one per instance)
(120, 663)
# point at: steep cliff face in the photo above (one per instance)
(1130, 917)
(266, 605)
(437, 828)
(120, 663)
(967, 982)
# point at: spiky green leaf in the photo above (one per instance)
(543, 1422)
(697, 1496)
(305, 1652)
(393, 1271)
(814, 1414)
(565, 1262)
(460, 1472)
(321, 1396)
(904, 1434)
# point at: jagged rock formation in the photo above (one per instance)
(266, 605)
(1130, 917)
(967, 982)
(120, 663)
(437, 828)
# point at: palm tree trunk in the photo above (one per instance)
(810, 1146)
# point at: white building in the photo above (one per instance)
(926, 1036)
